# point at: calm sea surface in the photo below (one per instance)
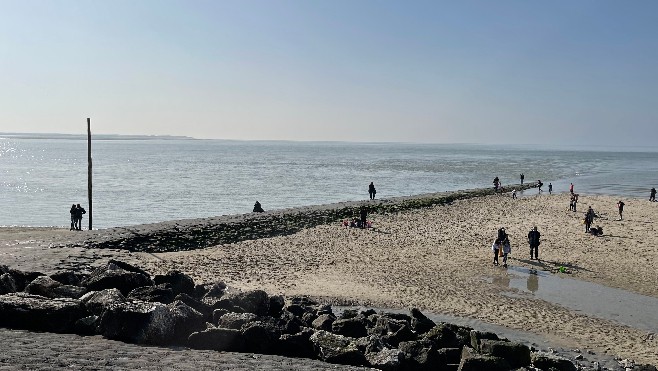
(144, 181)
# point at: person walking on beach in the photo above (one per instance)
(620, 206)
(652, 196)
(533, 241)
(507, 248)
(74, 220)
(522, 177)
(571, 188)
(589, 219)
(514, 194)
(550, 188)
(79, 211)
(496, 248)
(372, 191)
(539, 184)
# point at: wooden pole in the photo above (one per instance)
(89, 171)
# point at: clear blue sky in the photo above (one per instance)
(548, 72)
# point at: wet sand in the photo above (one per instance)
(438, 259)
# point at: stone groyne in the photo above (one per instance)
(200, 233)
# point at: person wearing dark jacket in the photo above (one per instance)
(258, 208)
(364, 217)
(74, 221)
(79, 211)
(533, 240)
(652, 195)
(372, 191)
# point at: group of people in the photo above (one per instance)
(501, 246)
(76, 216)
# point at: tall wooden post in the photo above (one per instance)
(89, 171)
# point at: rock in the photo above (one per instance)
(419, 322)
(86, 326)
(198, 305)
(443, 336)
(471, 361)
(220, 339)
(21, 279)
(138, 322)
(476, 336)
(114, 276)
(298, 310)
(385, 325)
(98, 301)
(255, 301)
(303, 301)
(418, 355)
(277, 302)
(516, 354)
(179, 282)
(547, 361)
(160, 294)
(296, 345)
(338, 349)
(38, 313)
(386, 359)
(48, 287)
(7, 284)
(235, 320)
(349, 313)
(449, 356)
(260, 337)
(646, 367)
(186, 321)
(213, 292)
(66, 278)
(404, 333)
(324, 322)
(292, 324)
(370, 344)
(354, 327)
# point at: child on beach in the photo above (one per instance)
(495, 247)
(507, 248)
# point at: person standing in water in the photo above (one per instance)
(550, 188)
(522, 177)
(372, 191)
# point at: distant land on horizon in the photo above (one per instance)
(94, 136)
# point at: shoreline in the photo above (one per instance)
(436, 258)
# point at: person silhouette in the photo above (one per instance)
(74, 220)
(79, 211)
(372, 191)
(258, 208)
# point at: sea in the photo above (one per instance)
(139, 180)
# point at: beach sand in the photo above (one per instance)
(437, 259)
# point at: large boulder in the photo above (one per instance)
(419, 322)
(254, 301)
(38, 313)
(180, 283)
(444, 336)
(138, 322)
(472, 361)
(154, 294)
(353, 327)
(418, 355)
(261, 336)
(7, 284)
(324, 322)
(339, 349)
(386, 359)
(186, 321)
(66, 278)
(21, 279)
(404, 333)
(478, 336)
(97, 302)
(296, 345)
(546, 361)
(198, 305)
(277, 302)
(516, 354)
(48, 287)
(220, 339)
(235, 320)
(121, 276)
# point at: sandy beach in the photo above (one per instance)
(437, 259)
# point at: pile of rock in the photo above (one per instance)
(122, 302)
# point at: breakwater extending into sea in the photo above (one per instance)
(199, 233)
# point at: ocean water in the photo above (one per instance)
(145, 181)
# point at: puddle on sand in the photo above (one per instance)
(621, 306)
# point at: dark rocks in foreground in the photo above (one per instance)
(122, 302)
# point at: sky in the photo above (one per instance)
(492, 72)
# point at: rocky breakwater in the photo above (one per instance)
(200, 233)
(122, 302)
